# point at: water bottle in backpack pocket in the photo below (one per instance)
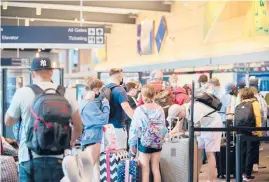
(48, 132)
(155, 132)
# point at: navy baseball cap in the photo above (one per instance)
(41, 64)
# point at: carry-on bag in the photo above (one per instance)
(109, 162)
(221, 161)
(129, 171)
(175, 158)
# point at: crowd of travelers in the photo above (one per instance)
(129, 108)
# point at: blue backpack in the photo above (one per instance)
(155, 132)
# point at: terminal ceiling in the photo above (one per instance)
(67, 13)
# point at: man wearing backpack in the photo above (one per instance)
(164, 96)
(119, 106)
(46, 110)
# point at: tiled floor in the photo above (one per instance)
(261, 176)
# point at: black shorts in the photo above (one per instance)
(85, 146)
(147, 150)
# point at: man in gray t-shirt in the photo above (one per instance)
(46, 168)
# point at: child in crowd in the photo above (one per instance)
(93, 119)
(148, 127)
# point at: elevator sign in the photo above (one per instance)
(52, 37)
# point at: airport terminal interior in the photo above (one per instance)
(152, 90)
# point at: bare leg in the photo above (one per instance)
(200, 160)
(211, 166)
(144, 159)
(155, 166)
(93, 152)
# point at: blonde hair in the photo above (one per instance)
(92, 82)
(148, 93)
(254, 90)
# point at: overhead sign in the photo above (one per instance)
(52, 37)
(15, 62)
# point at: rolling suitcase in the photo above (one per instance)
(109, 162)
(129, 171)
(175, 158)
(221, 161)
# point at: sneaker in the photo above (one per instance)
(248, 178)
(255, 168)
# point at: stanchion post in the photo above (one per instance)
(228, 149)
(191, 139)
(238, 159)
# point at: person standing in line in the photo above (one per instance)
(46, 168)
(203, 82)
(141, 134)
(180, 96)
(93, 119)
(250, 149)
(119, 106)
(132, 89)
(156, 80)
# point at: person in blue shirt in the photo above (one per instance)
(93, 119)
(120, 106)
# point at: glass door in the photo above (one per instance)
(12, 79)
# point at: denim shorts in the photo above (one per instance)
(46, 169)
(147, 150)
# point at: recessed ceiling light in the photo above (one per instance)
(27, 22)
(4, 5)
(38, 11)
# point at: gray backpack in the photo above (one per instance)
(48, 132)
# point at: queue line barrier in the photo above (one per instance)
(228, 129)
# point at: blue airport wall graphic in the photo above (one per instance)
(52, 35)
(160, 36)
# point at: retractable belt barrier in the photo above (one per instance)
(228, 129)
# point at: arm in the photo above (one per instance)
(134, 128)
(93, 114)
(257, 113)
(9, 121)
(123, 101)
(77, 126)
(127, 109)
(14, 111)
(258, 118)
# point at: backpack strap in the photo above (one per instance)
(61, 90)
(210, 113)
(36, 89)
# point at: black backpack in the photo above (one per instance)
(48, 132)
(111, 102)
(244, 115)
(209, 100)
